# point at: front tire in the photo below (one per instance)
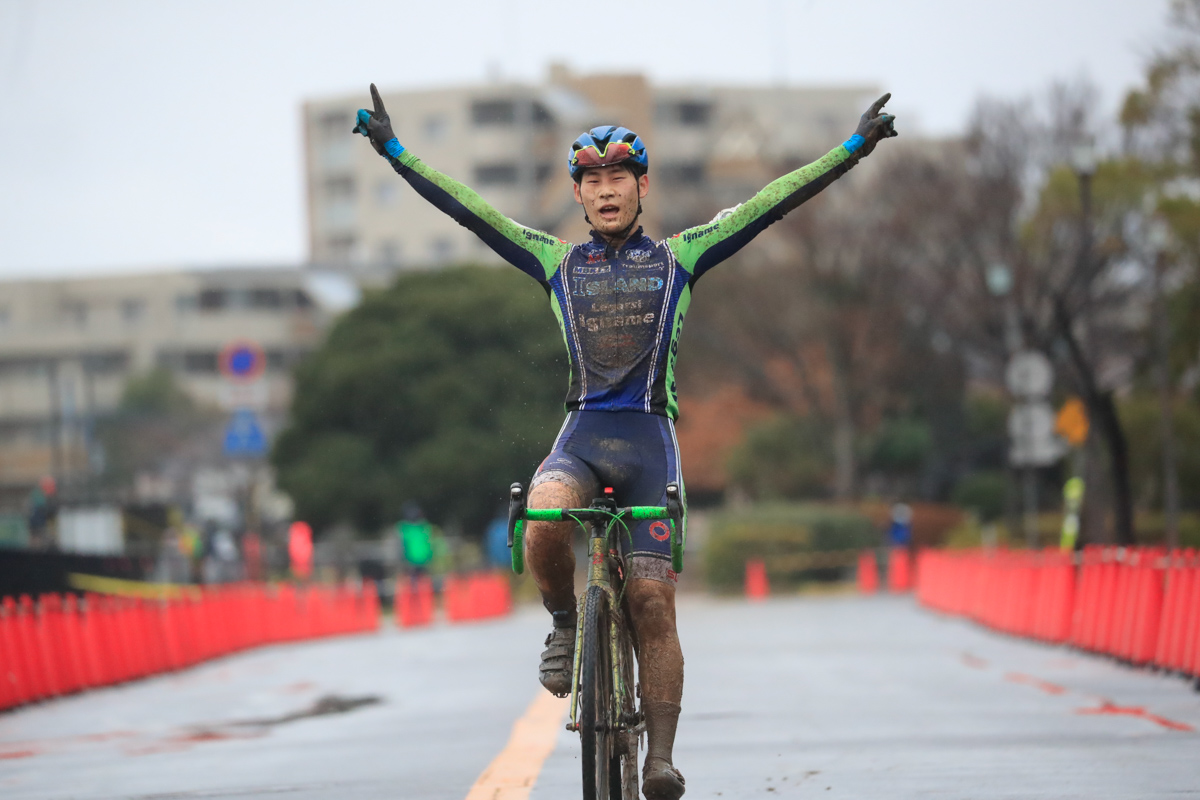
(624, 765)
(596, 697)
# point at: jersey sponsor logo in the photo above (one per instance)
(639, 256)
(693, 235)
(660, 531)
(586, 288)
(582, 270)
(535, 236)
(618, 308)
(595, 324)
(674, 353)
(596, 258)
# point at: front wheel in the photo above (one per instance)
(624, 766)
(596, 696)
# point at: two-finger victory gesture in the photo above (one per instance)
(377, 126)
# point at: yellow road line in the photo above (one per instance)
(102, 585)
(512, 774)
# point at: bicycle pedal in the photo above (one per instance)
(573, 727)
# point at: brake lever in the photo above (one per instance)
(516, 510)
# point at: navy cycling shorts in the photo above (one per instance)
(637, 455)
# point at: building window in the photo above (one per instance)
(334, 124)
(682, 173)
(496, 174)
(133, 309)
(186, 303)
(542, 117)
(270, 299)
(544, 172)
(494, 112)
(687, 113)
(436, 127)
(301, 299)
(340, 187)
(693, 113)
(106, 363)
(200, 362)
(212, 300)
(75, 312)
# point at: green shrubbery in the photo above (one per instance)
(781, 534)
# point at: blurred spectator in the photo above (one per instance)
(300, 549)
(416, 539)
(899, 532)
(496, 540)
(43, 511)
(252, 556)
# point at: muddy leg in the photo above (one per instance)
(548, 547)
(660, 662)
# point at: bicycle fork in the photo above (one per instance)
(599, 574)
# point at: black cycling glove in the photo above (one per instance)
(871, 128)
(377, 126)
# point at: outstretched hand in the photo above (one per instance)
(376, 125)
(875, 126)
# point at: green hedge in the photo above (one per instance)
(778, 532)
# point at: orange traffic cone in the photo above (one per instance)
(757, 587)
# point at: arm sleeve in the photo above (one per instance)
(701, 248)
(535, 253)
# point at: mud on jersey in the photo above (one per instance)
(621, 310)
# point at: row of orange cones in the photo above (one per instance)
(58, 645)
(465, 598)
(899, 574)
(1138, 604)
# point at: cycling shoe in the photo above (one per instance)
(559, 656)
(661, 781)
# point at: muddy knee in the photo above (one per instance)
(652, 607)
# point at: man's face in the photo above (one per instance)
(609, 195)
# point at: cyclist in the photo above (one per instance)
(620, 300)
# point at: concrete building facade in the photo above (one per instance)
(710, 147)
(68, 347)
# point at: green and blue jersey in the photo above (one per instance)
(621, 310)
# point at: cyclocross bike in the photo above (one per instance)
(603, 690)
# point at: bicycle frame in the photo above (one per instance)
(603, 520)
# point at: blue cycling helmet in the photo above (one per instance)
(605, 145)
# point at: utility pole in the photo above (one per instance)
(1159, 238)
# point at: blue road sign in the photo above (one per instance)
(244, 436)
(242, 360)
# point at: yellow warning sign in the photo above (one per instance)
(1072, 422)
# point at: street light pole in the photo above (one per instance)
(1159, 238)
(1083, 162)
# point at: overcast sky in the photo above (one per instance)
(139, 134)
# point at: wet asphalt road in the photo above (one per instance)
(797, 697)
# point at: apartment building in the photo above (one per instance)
(710, 147)
(69, 345)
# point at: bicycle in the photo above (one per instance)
(603, 690)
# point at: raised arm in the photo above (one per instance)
(535, 253)
(701, 248)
